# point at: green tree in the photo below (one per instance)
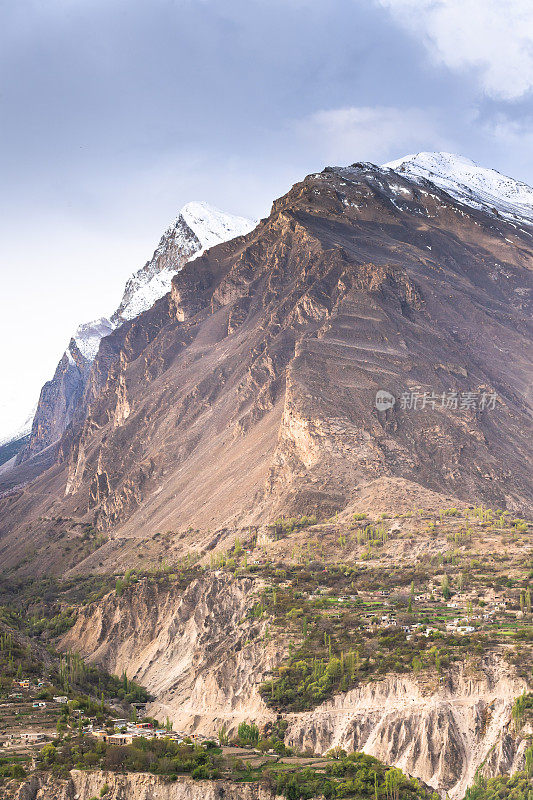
(393, 779)
(248, 733)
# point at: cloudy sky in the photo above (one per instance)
(114, 113)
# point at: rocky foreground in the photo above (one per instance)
(87, 785)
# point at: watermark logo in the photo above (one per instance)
(423, 401)
(384, 400)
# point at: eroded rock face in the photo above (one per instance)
(201, 657)
(195, 650)
(439, 731)
(134, 786)
(57, 404)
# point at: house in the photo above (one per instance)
(32, 736)
(39, 704)
(61, 699)
(121, 738)
(24, 684)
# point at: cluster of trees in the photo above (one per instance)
(180, 574)
(302, 684)
(522, 709)
(249, 735)
(159, 756)
(283, 527)
(17, 658)
(75, 674)
(355, 775)
(525, 600)
(13, 766)
(518, 786)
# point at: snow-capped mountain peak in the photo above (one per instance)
(475, 186)
(87, 337)
(212, 226)
(197, 227)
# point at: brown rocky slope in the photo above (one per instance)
(248, 391)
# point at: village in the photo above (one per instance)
(465, 613)
(27, 722)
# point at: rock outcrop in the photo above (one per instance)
(440, 730)
(61, 397)
(82, 785)
(198, 651)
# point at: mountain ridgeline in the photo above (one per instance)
(196, 227)
(248, 390)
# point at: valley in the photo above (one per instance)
(337, 629)
(272, 535)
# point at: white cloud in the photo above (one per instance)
(378, 134)
(514, 133)
(494, 37)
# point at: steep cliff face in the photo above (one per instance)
(440, 730)
(139, 786)
(61, 397)
(196, 651)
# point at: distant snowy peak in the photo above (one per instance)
(197, 227)
(475, 186)
(212, 226)
(87, 339)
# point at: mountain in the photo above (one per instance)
(61, 395)
(249, 389)
(196, 227)
(293, 494)
(475, 186)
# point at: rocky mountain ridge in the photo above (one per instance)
(474, 186)
(196, 227)
(262, 364)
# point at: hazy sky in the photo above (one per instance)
(114, 113)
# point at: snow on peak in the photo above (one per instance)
(475, 186)
(88, 335)
(197, 227)
(212, 226)
(11, 431)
